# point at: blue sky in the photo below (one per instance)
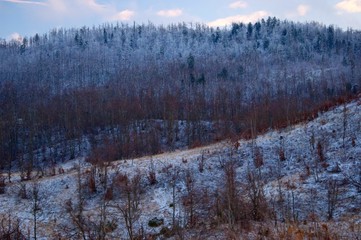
(27, 17)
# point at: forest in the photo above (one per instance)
(120, 91)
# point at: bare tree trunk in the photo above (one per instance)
(174, 180)
(332, 198)
(130, 209)
(36, 207)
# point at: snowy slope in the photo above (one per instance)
(297, 186)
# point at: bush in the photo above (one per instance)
(108, 194)
(10, 228)
(152, 178)
(155, 222)
(258, 158)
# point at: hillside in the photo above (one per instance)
(181, 131)
(299, 182)
(146, 89)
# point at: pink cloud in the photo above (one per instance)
(123, 15)
(238, 4)
(351, 6)
(253, 17)
(302, 10)
(26, 2)
(170, 13)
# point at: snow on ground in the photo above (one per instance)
(300, 183)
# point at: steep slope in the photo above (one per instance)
(308, 173)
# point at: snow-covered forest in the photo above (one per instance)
(146, 89)
(263, 120)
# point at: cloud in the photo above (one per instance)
(83, 10)
(253, 17)
(26, 2)
(92, 4)
(351, 6)
(79, 6)
(238, 4)
(15, 37)
(170, 13)
(58, 6)
(302, 10)
(123, 15)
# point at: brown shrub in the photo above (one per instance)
(109, 194)
(258, 157)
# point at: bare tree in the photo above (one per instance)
(232, 201)
(86, 227)
(76, 211)
(104, 224)
(131, 189)
(256, 196)
(281, 150)
(320, 151)
(174, 180)
(332, 198)
(201, 162)
(10, 228)
(189, 200)
(35, 209)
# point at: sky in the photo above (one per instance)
(27, 17)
